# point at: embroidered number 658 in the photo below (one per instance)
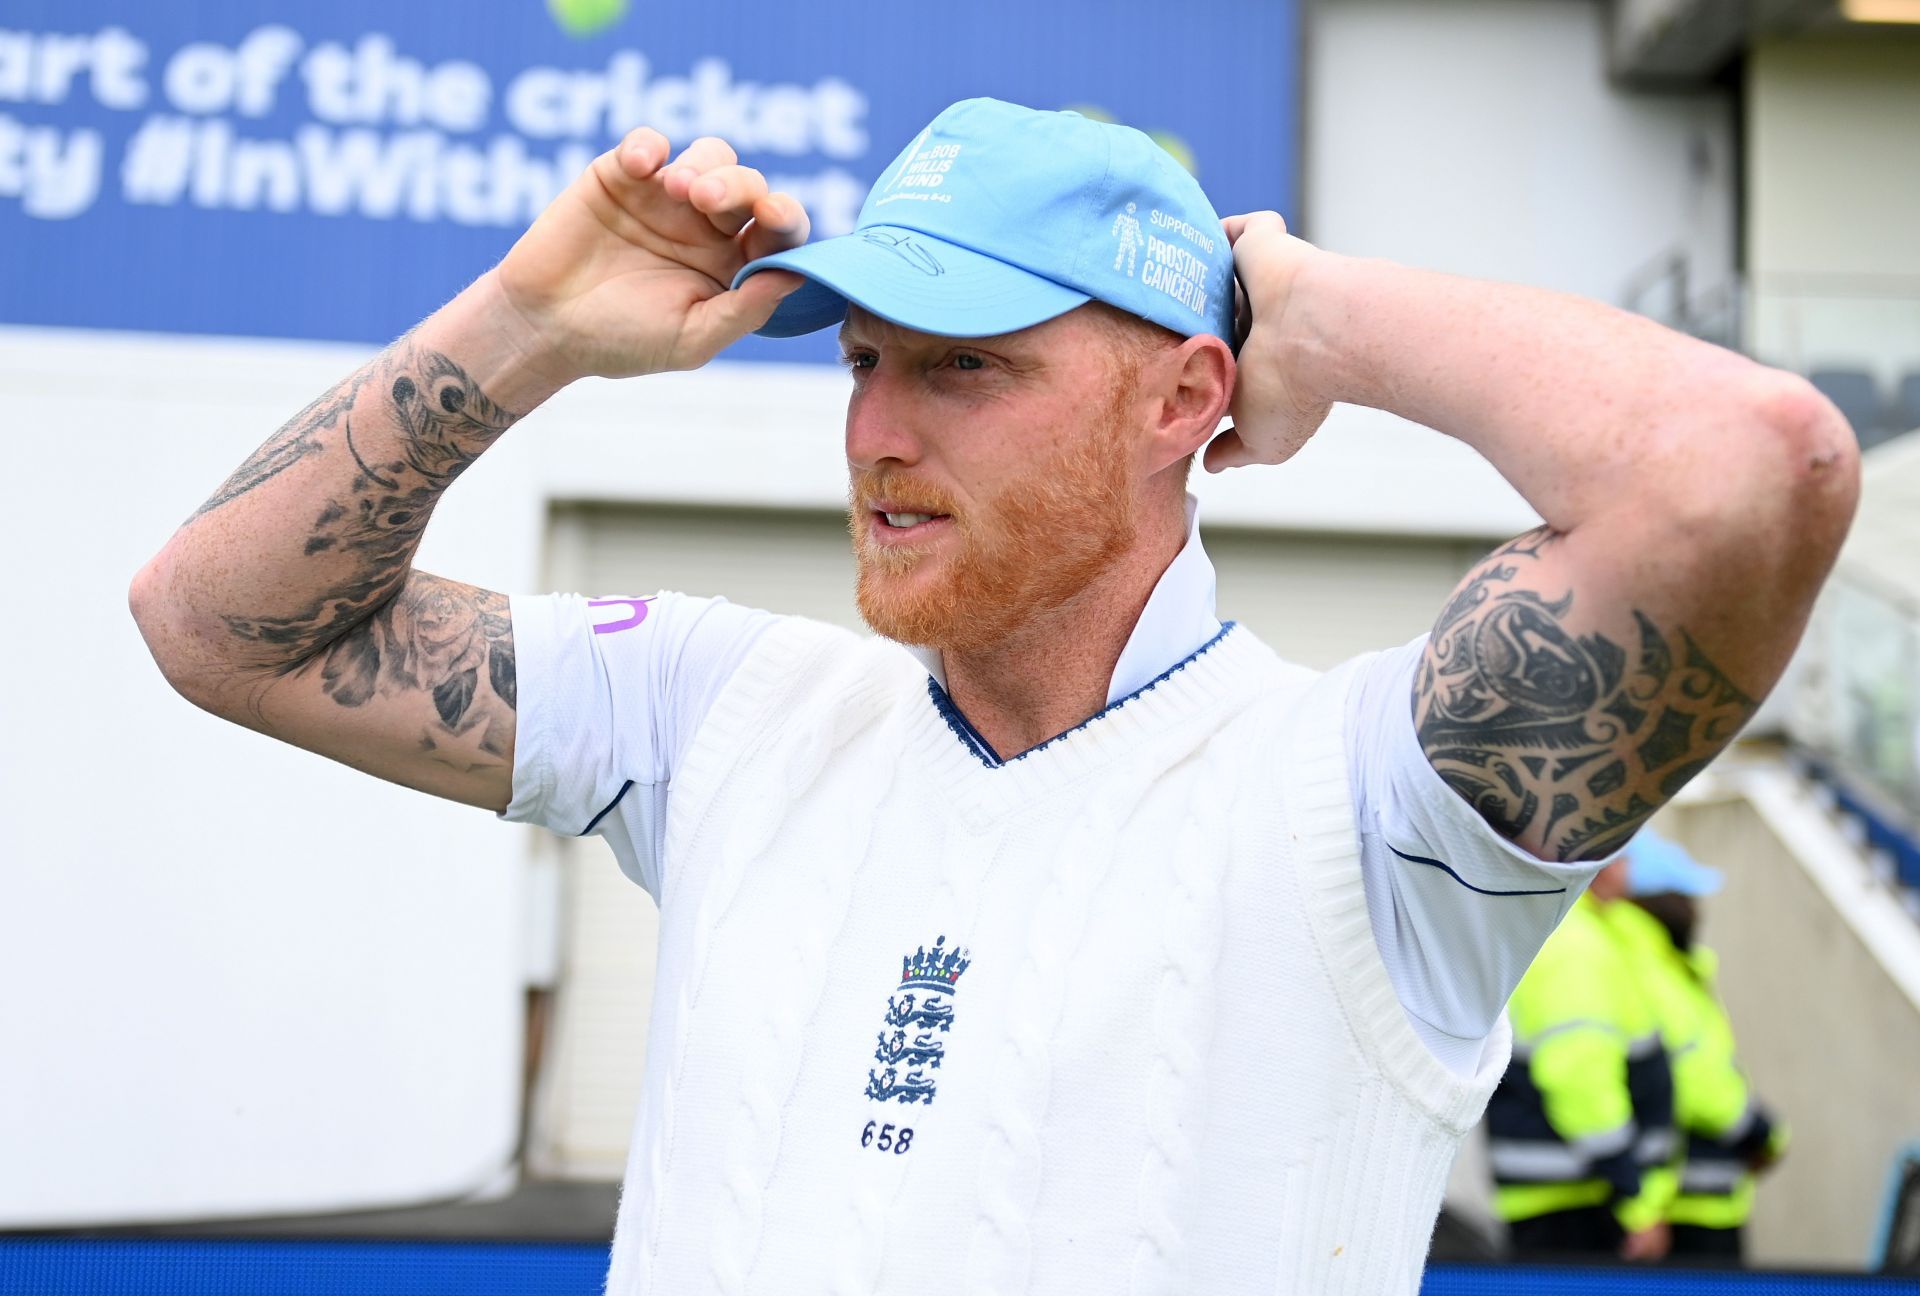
(889, 1138)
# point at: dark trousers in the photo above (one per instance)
(1693, 1244)
(1587, 1232)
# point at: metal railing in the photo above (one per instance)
(1856, 336)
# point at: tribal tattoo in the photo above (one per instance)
(379, 627)
(1575, 738)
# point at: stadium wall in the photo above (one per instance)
(1820, 971)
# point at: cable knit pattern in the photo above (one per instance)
(786, 1009)
(1012, 1161)
(746, 839)
(1183, 1019)
(1168, 1058)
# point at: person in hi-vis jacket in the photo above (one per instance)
(1581, 1126)
(1728, 1136)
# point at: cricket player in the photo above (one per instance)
(1060, 937)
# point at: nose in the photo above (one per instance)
(880, 431)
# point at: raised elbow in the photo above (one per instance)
(1765, 481)
(169, 640)
(1815, 457)
(143, 598)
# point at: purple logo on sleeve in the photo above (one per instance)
(636, 613)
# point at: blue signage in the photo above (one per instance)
(338, 171)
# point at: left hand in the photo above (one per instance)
(1275, 409)
(1647, 1245)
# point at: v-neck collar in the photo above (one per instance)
(1187, 695)
(975, 742)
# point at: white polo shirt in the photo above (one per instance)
(1458, 912)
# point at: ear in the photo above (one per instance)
(1192, 385)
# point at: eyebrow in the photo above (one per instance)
(849, 330)
(849, 333)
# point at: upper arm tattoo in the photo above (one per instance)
(1573, 740)
(370, 625)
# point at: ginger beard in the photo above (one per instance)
(1023, 553)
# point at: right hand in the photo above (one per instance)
(626, 272)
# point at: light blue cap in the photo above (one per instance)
(997, 217)
(1656, 865)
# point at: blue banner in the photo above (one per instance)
(337, 171)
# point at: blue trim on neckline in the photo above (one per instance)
(970, 737)
(1434, 863)
(962, 728)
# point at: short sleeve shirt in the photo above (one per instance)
(613, 690)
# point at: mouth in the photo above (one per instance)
(891, 522)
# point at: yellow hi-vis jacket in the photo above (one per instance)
(1584, 1114)
(1722, 1127)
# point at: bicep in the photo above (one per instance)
(1566, 696)
(423, 692)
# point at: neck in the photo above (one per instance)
(1053, 673)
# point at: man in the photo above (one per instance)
(1727, 1135)
(1580, 1129)
(1096, 948)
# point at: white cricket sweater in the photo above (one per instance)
(1107, 1018)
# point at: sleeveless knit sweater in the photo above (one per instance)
(1106, 1018)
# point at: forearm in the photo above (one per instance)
(316, 531)
(1588, 411)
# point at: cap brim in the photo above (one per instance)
(913, 280)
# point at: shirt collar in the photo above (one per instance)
(1178, 619)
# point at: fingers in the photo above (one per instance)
(642, 152)
(708, 177)
(779, 223)
(698, 158)
(622, 169)
(1227, 451)
(707, 152)
(732, 197)
(727, 196)
(726, 317)
(1238, 225)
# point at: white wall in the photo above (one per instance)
(1482, 137)
(1833, 198)
(237, 980)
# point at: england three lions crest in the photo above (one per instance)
(919, 1014)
